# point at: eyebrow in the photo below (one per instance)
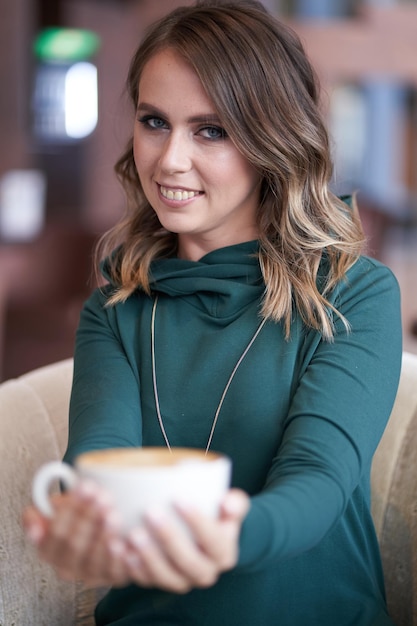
(205, 118)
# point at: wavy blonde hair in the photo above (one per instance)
(266, 94)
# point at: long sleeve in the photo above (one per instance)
(344, 396)
(105, 409)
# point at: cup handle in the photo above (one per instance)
(44, 477)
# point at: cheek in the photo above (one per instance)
(222, 169)
(141, 150)
(142, 161)
(248, 171)
(233, 165)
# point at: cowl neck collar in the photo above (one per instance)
(222, 282)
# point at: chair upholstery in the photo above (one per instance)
(394, 499)
(33, 430)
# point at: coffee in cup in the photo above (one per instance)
(143, 479)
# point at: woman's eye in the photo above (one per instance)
(213, 132)
(153, 122)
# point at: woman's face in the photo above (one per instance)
(196, 180)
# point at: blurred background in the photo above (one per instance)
(64, 120)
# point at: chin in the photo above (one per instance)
(176, 226)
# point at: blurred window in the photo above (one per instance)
(22, 205)
(319, 9)
(65, 101)
(372, 128)
(347, 126)
(65, 92)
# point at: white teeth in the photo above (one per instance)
(178, 194)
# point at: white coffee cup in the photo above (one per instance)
(143, 479)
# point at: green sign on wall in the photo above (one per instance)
(66, 44)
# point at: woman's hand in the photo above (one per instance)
(82, 539)
(162, 555)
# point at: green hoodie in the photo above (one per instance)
(301, 421)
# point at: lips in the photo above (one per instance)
(178, 194)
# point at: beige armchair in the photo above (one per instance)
(394, 499)
(33, 430)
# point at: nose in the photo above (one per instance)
(176, 155)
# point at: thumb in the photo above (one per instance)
(236, 505)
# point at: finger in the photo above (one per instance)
(34, 525)
(79, 540)
(107, 561)
(101, 540)
(77, 517)
(182, 550)
(235, 505)
(109, 569)
(149, 565)
(219, 538)
(88, 535)
(212, 536)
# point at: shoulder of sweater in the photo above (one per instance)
(371, 270)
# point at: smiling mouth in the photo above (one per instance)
(178, 194)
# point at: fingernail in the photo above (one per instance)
(103, 499)
(139, 538)
(113, 521)
(34, 533)
(233, 505)
(116, 547)
(156, 517)
(184, 507)
(133, 560)
(86, 489)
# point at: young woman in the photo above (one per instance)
(236, 271)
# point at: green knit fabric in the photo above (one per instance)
(301, 421)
